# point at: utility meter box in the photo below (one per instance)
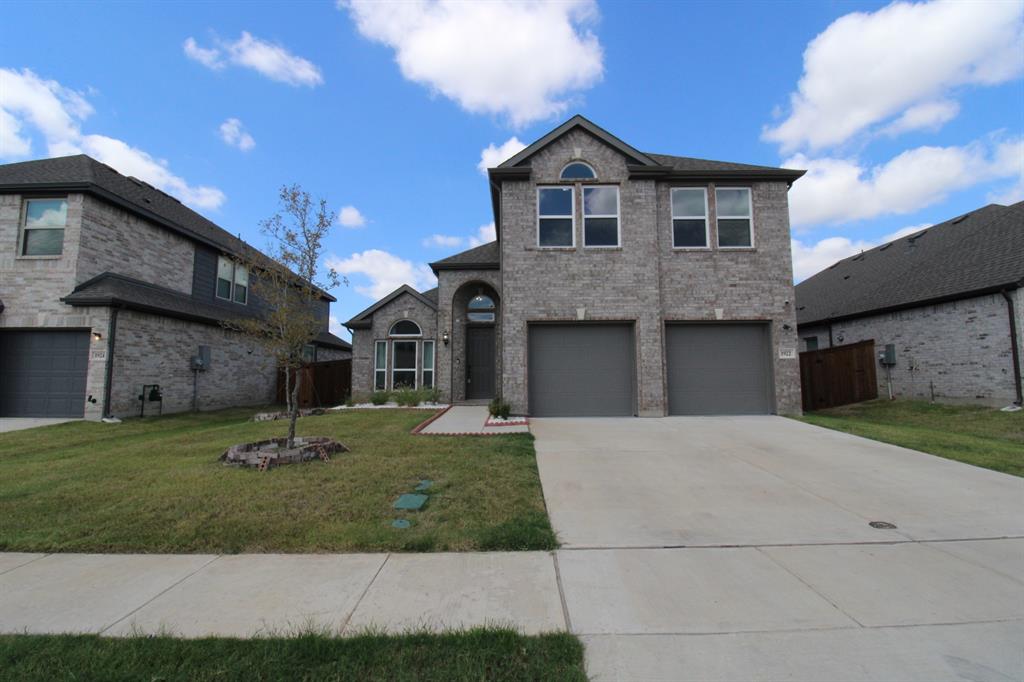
(888, 356)
(201, 361)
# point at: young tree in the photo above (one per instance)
(290, 284)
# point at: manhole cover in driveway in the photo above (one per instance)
(882, 524)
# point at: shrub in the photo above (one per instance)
(499, 408)
(379, 397)
(407, 397)
(431, 395)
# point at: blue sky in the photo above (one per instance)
(906, 114)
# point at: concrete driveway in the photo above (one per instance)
(740, 548)
(9, 424)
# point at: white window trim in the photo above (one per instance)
(572, 163)
(750, 208)
(377, 369)
(417, 335)
(707, 223)
(572, 216)
(231, 294)
(617, 216)
(433, 362)
(23, 228)
(415, 369)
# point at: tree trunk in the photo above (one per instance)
(288, 389)
(294, 407)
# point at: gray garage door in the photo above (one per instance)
(581, 370)
(42, 373)
(718, 369)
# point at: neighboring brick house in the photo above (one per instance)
(948, 298)
(108, 284)
(620, 283)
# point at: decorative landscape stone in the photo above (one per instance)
(274, 416)
(266, 454)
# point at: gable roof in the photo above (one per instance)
(973, 254)
(364, 319)
(483, 257)
(82, 173)
(578, 121)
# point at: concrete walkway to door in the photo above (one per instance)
(726, 548)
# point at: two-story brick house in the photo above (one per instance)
(108, 284)
(620, 283)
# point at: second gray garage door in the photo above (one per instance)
(42, 373)
(581, 370)
(718, 369)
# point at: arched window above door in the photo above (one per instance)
(480, 309)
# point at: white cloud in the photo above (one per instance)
(234, 135)
(442, 241)
(272, 60)
(841, 190)
(812, 259)
(519, 59)
(351, 217)
(492, 156)
(384, 272)
(208, 57)
(484, 234)
(335, 327)
(56, 113)
(901, 62)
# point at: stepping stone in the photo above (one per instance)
(400, 523)
(424, 484)
(410, 501)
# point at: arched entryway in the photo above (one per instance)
(475, 309)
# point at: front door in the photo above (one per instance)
(479, 363)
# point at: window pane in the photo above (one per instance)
(733, 202)
(225, 268)
(224, 288)
(480, 317)
(556, 232)
(405, 355)
(688, 202)
(309, 353)
(428, 379)
(403, 379)
(690, 232)
(379, 380)
(382, 355)
(555, 201)
(481, 303)
(601, 201)
(812, 342)
(735, 232)
(241, 276)
(405, 328)
(240, 293)
(601, 232)
(577, 171)
(43, 243)
(46, 213)
(428, 355)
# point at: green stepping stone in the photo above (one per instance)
(424, 484)
(400, 523)
(410, 501)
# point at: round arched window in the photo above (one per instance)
(480, 309)
(405, 328)
(577, 170)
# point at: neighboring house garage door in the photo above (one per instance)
(581, 370)
(718, 369)
(42, 373)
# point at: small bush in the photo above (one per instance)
(407, 397)
(379, 397)
(431, 395)
(499, 408)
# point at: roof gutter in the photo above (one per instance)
(1014, 346)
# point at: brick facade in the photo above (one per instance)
(405, 307)
(960, 350)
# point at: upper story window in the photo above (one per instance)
(480, 309)
(232, 281)
(689, 217)
(43, 229)
(577, 170)
(600, 216)
(555, 223)
(735, 217)
(405, 328)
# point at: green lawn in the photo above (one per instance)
(156, 485)
(984, 437)
(472, 655)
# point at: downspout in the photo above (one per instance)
(111, 336)
(1014, 348)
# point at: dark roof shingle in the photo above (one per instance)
(974, 253)
(483, 257)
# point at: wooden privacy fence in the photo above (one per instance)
(324, 384)
(838, 376)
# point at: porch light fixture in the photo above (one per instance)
(96, 336)
(444, 337)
